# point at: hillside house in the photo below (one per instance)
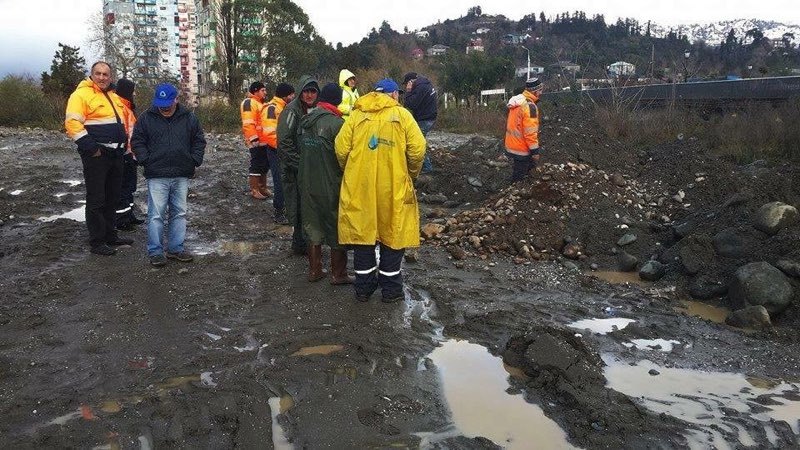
(482, 30)
(514, 39)
(621, 69)
(422, 34)
(522, 72)
(566, 67)
(437, 50)
(475, 45)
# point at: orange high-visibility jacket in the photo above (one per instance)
(269, 120)
(522, 126)
(91, 119)
(250, 110)
(129, 120)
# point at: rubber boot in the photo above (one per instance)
(339, 268)
(315, 272)
(255, 191)
(262, 186)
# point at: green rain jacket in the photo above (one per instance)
(289, 154)
(320, 175)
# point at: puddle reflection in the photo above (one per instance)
(474, 384)
(277, 406)
(77, 214)
(601, 326)
(714, 400)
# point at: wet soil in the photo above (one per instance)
(109, 351)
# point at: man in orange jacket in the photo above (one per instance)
(522, 130)
(284, 93)
(250, 110)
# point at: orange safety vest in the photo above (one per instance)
(522, 126)
(250, 109)
(269, 120)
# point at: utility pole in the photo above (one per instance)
(529, 61)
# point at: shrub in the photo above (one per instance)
(219, 116)
(488, 121)
(24, 103)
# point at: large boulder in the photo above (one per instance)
(755, 317)
(730, 243)
(759, 283)
(627, 262)
(704, 287)
(790, 268)
(773, 217)
(652, 271)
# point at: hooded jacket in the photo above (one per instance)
(320, 176)
(168, 147)
(288, 123)
(349, 95)
(421, 100)
(250, 111)
(522, 125)
(94, 119)
(269, 120)
(380, 148)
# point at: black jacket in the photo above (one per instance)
(421, 100)
(168, 147)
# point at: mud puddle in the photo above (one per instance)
(475, 386)
(704, 311)
(600, 325)
(612, 277)
(78, 214)
(729, 409)
(278, 406)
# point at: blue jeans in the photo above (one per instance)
(425, 126)
(163, 193)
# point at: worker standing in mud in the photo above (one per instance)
(250, 110)
(522, 130)
(380, 149)
(169, 142)
(320, 180)
(93, 120)
(289, 155)
(126, 219)
(347, 81)
(420, 99)
(284, 93)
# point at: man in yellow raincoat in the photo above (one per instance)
(380, 149)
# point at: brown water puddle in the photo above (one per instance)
(612, 277)
(475, 384)
(318, 350)
(277, 406)
(706, 399)
(704, 311)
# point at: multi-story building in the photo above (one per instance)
(153, 41)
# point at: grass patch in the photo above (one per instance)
(484, 120)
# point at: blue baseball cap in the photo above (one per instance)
(165, 95)
(386, 85)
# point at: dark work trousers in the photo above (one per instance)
(520, 166)
(103, 178)
(275, 168)
(259, 164)
(128, 187)
(371, 274)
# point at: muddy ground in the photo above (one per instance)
(237, 349)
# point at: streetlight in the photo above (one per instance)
(686, 55)
(529, 61)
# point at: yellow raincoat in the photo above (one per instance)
(380, 149)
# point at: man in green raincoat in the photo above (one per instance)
(289, 154)
(380, 148)
(320, 178)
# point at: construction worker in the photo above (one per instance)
(522, 130)
(380, 149)
(250, 110)
(284, 93)
(347, 81)
(126, 219)
(93, 119)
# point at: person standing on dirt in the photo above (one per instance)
(380, 149)
(93, 120)
(126, 219)
(284, 93)
(289, 154)
(522, 130)
(420, 99)
(320, 180)
(169, 142)
(250, 110)
(347, 81)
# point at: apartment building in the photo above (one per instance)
(154, 41)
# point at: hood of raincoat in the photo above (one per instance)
(374, 101)
(345, 75)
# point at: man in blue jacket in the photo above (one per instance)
(420, 99)
(169, 142)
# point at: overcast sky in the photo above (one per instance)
(31, 29)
